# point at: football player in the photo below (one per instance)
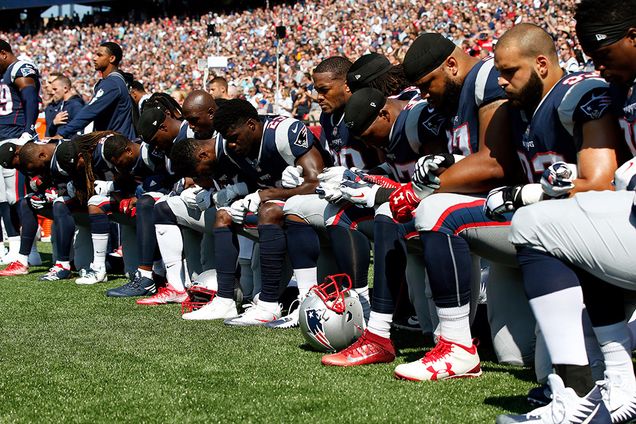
(466, 91)
(19, 97)
(570, 249)
(261, 148)
(403, 130)
(305, 214)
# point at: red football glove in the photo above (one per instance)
(126, 208)
(403, 202)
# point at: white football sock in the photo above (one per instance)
(170, 243)
(616, 345)
(145, 273)
(559, 316)
(363, 295)
(14, 246)
(306, 278)
(455, 324)
(100, 244)
(380, 324)
(23, 259)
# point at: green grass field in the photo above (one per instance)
(70, 354)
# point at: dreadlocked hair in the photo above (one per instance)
(391, 83)
(166, 103)
(86, 145)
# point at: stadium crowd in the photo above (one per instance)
(162, 53)
(452, 138)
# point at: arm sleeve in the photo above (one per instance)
(29, 95)
(104, 97)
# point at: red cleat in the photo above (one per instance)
(164, 295)
(14, 268)
(368, 349)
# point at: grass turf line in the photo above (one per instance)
(70, 354)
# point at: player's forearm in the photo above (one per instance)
(474, 174)
(307, 187)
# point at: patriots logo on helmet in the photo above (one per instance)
(434, 123)
(314, 324)
(596, 106)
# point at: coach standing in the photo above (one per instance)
(111, 105)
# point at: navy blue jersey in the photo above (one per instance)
(57, 173)
(109, 109)
(555, 130)
(225, 171)
(480, 88)
(344, 150)
(628, 119)
(12, 113)
(284, 140)
(409, 93)
(414, 126)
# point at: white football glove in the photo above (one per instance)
(557, 179)
(204, 200)
(103, 188)
(425, 175)
(292, 177)
(625, 176)
(50, 195)
(26, 137)
(252, 202)
(333, 174)
(237, 211)
(226, 195)
(189, 196)
(330, 191)
(361, 194)
(70, 189)
(510, 198)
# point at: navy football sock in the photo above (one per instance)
(145, 231)
(303, 245)
(227, 248)
(448, 265)
(64, 230)
(5, 214)
(389, 264)
(29, 227)
(273, 245)
(353, 255)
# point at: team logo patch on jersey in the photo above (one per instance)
(27, 70)
(301, 141)
(596, 106)
(315, 330)
(99, 94)
(434, 123)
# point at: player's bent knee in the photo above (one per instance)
(523, 230)
(270, 213)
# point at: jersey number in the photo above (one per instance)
(539, 163)
(350, 158)
(6, 104)
(460, 140)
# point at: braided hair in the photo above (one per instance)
(166, 103)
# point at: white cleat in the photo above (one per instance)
(91, 276)
(256, 314)
(290, 320)
(218, 308)
(619, 399)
